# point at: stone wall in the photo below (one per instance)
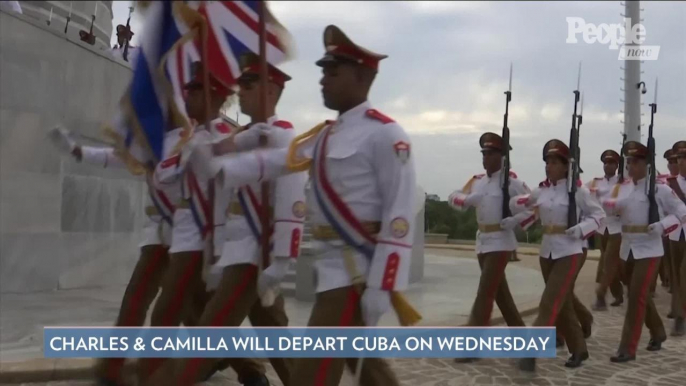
(62, 224)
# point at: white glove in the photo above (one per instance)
(270, 279)
(201, 161)
(509, 223)
(656, 229)
(375, 303)
(61, 138)
(250, 139)
(575, 232)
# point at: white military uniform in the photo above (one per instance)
(676, 235)
(632, 205)
(602, 189)
(369, 166)
(168, 177)
(155, 230)
(240, 246)
(490, 237)
(551, 202)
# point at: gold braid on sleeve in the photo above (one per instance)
(292, 162)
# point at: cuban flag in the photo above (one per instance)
(233, 29)
(146, 108)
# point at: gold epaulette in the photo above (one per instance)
(292, 161)
(467, 188)
(615, 190)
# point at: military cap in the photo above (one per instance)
(339, 49)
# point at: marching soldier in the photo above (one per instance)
(561, 251)
(361, 204)
(147, 275)
(240, 259)
(666, 263)
(677, 243)
(610, 236)
(641, 249)
(183, 294)
(495, 240)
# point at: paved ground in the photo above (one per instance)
(664, 368)
(23, 316)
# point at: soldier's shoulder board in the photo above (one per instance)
(544, 184)
(283, 124)
(598, 178)
(375, 114)
(479, 176)
(513, 175)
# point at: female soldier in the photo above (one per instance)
(561, 250)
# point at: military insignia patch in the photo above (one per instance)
(402, 150)
(299, 209)
(399, 227)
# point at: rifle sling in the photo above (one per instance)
(677, 189)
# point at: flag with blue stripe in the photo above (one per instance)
(147, 108)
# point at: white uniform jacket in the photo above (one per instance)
(155, 230)
(489, 210)
(632, 206)
(550, 202)
(369, 165)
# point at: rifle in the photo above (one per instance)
(66, 26)
(128, 36)
(506, 152)
(573, 168)
(621, 160)
(88, 37)
(653, 215)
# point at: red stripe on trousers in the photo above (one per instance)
(640, 314)
(188, 375)
(346, 320)
(493, 288)
(568, 281)
(177, 302)
(115, 364)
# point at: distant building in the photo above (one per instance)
(433, 197)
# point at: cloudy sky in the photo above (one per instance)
(448, 68)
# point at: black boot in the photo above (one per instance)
(106, 382)
(527, 364)
(679, 327)
(576, 359)
(599, 305)
(255, 380)
(218, 367)
(622, 358)
(655, 344)
(618, 302)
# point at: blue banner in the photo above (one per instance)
(299, 342)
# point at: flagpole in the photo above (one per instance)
(209, 245)
(264, 214)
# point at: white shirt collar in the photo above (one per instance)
(354, 112)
